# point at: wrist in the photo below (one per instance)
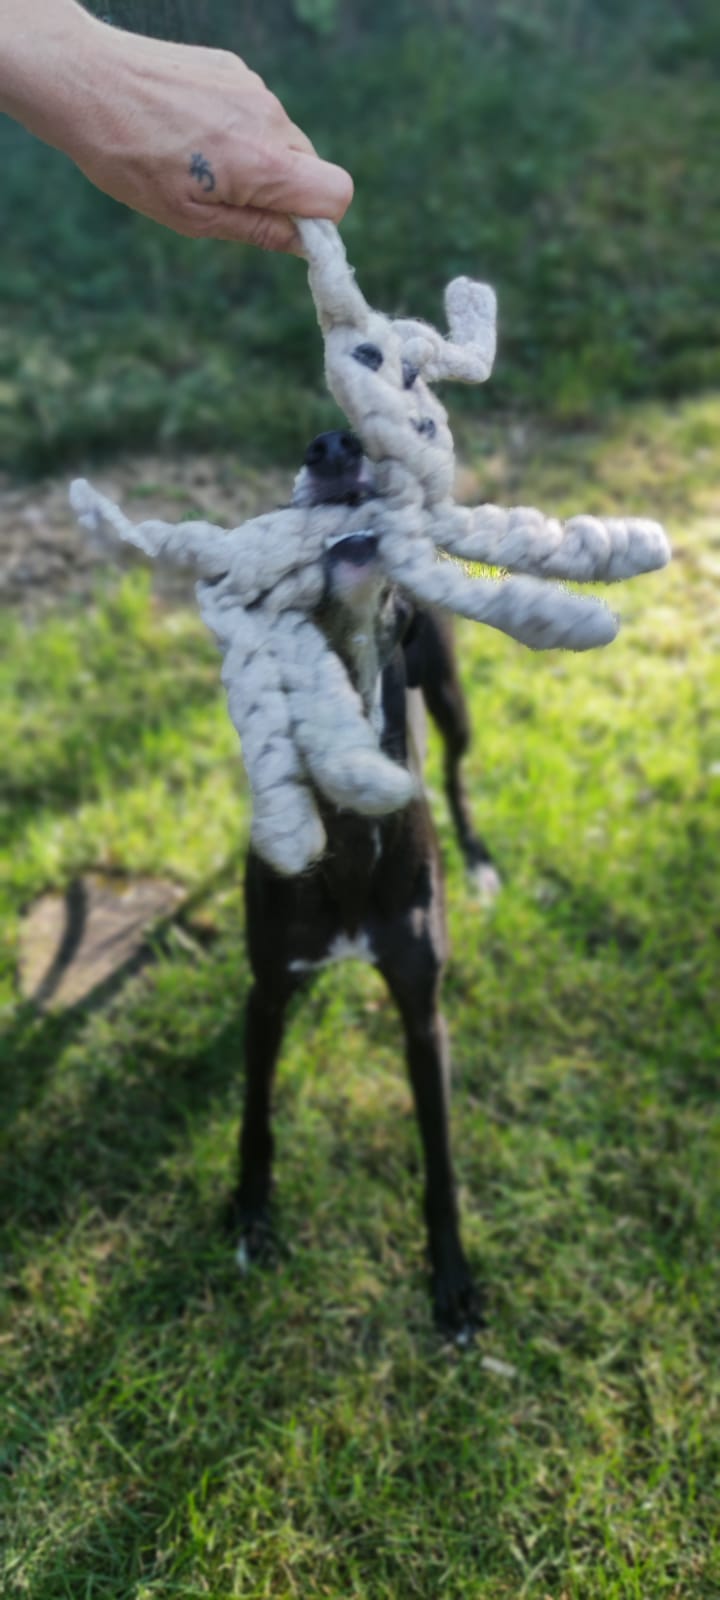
(51, 57)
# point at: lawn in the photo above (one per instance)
(172, 1430)
(168, 1429)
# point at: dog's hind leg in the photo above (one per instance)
(437, 676)
(412, 971)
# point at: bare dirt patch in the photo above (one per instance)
(45, 558)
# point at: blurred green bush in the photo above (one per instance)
(564, 149)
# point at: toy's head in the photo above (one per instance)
(386, 398)
(378, 370)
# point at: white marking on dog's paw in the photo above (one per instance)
(242, 1258)
(484, 882)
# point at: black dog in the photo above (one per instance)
(378, 890)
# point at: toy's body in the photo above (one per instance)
(302, 725)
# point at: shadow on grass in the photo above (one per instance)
(168, 1296)
(31, 1045)
(173, 1328)
(104, 1147)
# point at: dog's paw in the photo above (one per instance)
(253, 1233)
(484, 882)
(457, 1306)
(256, 1243)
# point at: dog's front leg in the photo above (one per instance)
(264, 1025)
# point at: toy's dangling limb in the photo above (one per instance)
(337, 743)
(585, 549)
(197, 544)
(536, 614)
(286, 828)
(256, 556)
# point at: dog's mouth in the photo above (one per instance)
(356, 549)
(352, 568)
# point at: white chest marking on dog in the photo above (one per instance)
(341, 949)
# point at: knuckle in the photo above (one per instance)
(226, 60)
(263, 231)
(274, 107)
(273, 163)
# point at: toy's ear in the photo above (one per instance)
(332, 281)
(469, 352)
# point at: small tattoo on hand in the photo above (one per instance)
(201, 169)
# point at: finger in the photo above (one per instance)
(294, 181)
(245, 224)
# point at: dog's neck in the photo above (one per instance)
(363, 634)
(363, 654)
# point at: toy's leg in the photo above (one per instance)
(537, 614)
(586, 549)
(337, 742)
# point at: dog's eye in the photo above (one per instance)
(409, 373)
(369, 356)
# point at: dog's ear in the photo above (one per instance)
(469, 352)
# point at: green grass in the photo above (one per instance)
(172, 1431)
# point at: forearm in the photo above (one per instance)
(49, 57)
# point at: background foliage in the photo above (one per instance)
(564, 150)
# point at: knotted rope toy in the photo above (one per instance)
(302, 725)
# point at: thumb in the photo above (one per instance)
(299, 182)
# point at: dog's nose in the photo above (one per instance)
(330, 455)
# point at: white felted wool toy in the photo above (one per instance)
(303, 726)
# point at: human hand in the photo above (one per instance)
(188, 136)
